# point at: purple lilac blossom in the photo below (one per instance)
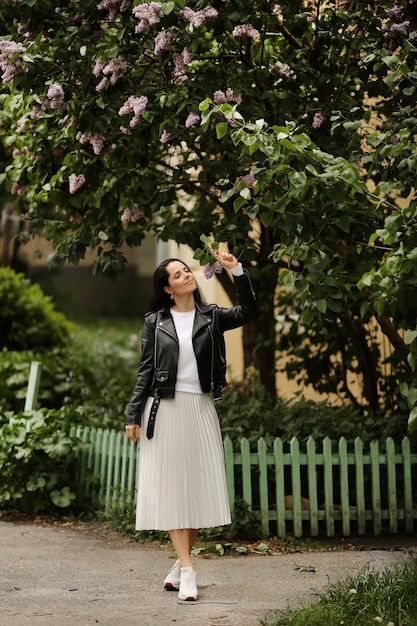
(115, 68)
(192, 120)
(149, 14)
(10, 63)
(398, 30)
(179, 61)
(248, 179)
(135, 106)
(75, 182)
(220, 97)
(132, 216)
(17, 189)
(163, 42)
(210, 270)
(165, 137)
(114, 7)
(96, 141)
(318, 120)
(55, 95)
(283, 69)
(197, 18)
(246, 31)
(396, 13)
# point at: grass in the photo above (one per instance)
(387, 598)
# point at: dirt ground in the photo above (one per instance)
(66, 575)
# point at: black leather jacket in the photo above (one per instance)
(210, 323)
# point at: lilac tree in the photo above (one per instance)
(121, 119)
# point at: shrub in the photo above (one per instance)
(28, 319)
(92, 376)
(38, 464)
(247, 410)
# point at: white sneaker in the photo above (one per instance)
(188, 584)
(172, 581)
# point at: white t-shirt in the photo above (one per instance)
(187, 373)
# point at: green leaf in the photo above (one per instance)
(221, 129)
(322, 305)
(239, 203)
(307, 316)
(411, 336)
(412, 397)
(412, 421)
(168, 7)
(62, 498)
(266, 218)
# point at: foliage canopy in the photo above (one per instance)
(286, 130)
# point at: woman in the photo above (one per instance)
(182, 484)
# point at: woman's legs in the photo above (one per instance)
(183, 540)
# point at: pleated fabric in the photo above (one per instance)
(182, 479)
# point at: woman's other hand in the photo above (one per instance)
(133, 432)
(229, 261)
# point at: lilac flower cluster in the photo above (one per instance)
(21, 152)
(318, 120)
(246, 31)
(210, 270)
(192, 120)
(180, 60)
(398, 30)
(135, 106)
(75, 182)
(197, 18)
(10, 63)
(55, 95)
(221, 97)
(165, 137)
(163, 42)
(97, 141)
(276, 10)
(283, 69)
(149, 14)
(132, 216)
(248, 179)
(114, 7)
(17, 189)
(115, 68)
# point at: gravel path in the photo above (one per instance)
(57, 575)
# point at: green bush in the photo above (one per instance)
(92, 376)
(38, 461)
(247, 410)
(28, 319)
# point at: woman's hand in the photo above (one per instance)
(133, 432)
(226, 259)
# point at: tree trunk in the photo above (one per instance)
(259, 335)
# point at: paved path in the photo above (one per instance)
(63, 577)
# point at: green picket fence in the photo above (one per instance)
(323, 489)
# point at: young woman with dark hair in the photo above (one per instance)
(182, 483)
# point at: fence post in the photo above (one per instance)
(328, 486)
(344, 486)
(312, 487)
(230, 472)
(360, 486)
(263, 485)
(33, 386)
(280, 486)
(376, 486)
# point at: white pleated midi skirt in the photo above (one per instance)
(182, 478)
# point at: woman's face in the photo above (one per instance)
(181, 281)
